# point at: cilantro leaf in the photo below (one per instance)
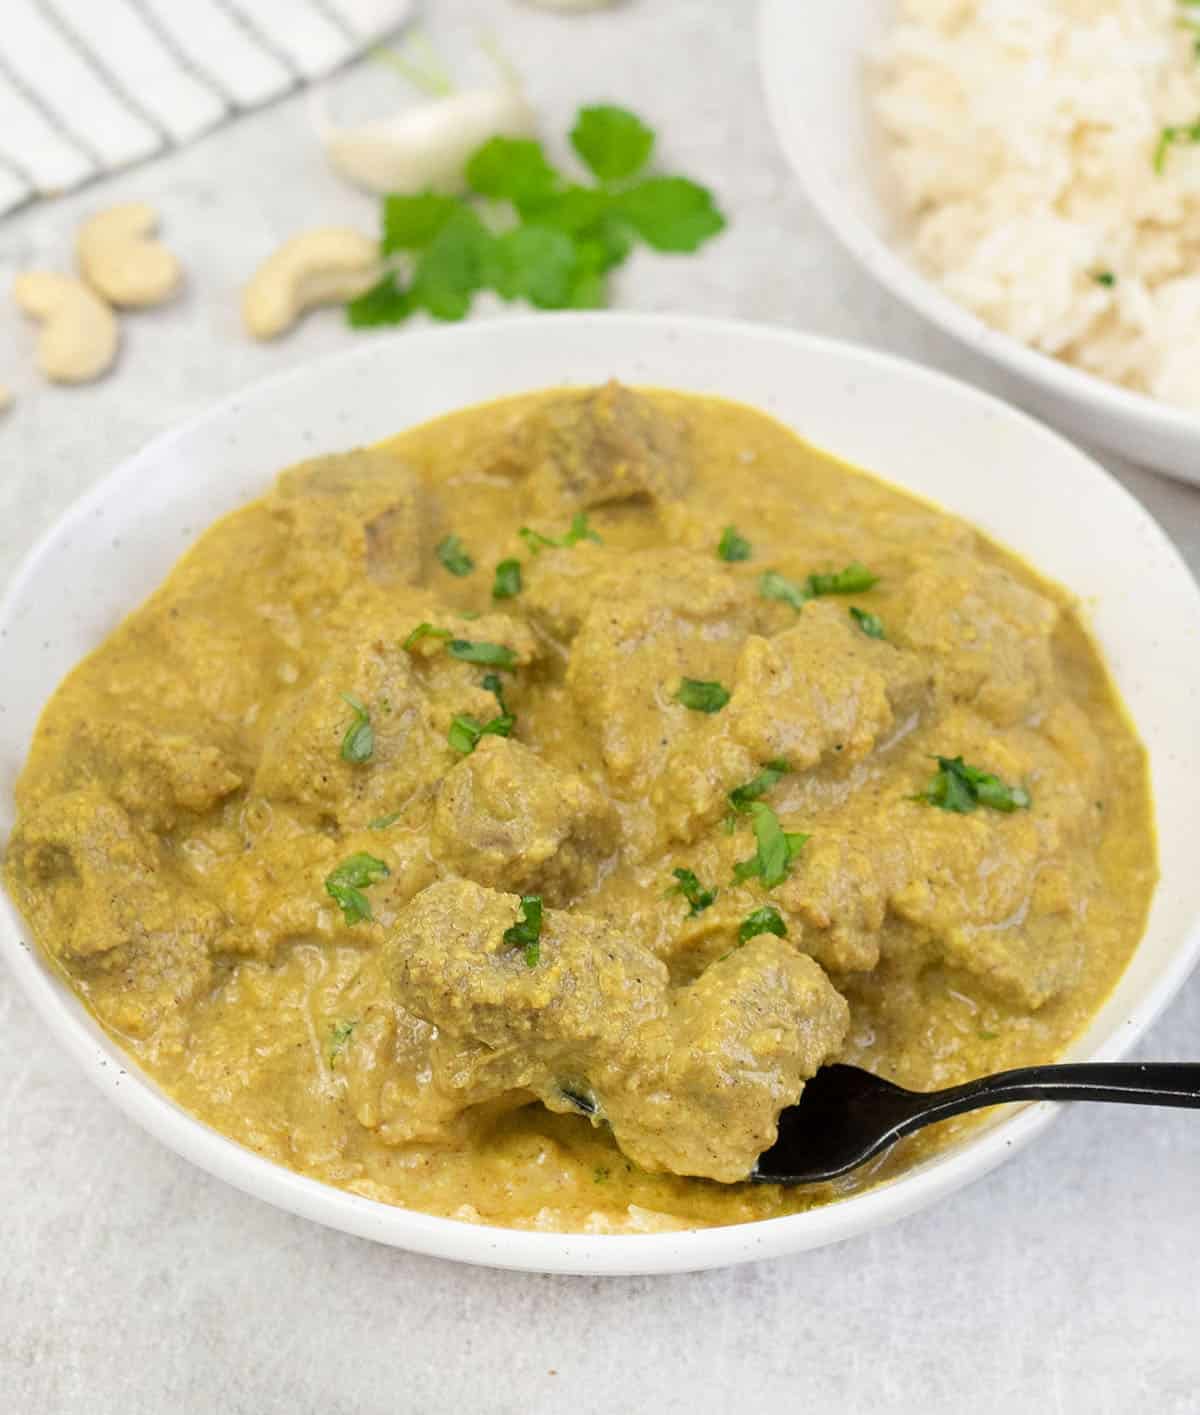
(346, 883)
(535, 263)
(613, 142)
(766, 780)
(733, 546)
(491, 682)
(527, 932)
(465, 731)
(453, 556)
(773, 585)
(359, 741)
(384, 303)
(424, 630)
(340, 1034)
(580, 530)
(702, 696)
(961, 788)
(851, 580)
(507, 584)
(670, 213)
(1106, 278)
(456, 264)
(870, 624)
(689, 886)
(512, 169)
(493, 655)
(777, 848)
(411, 222)
(766, 920)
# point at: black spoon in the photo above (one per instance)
(846, 1116)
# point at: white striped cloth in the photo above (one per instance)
(90, 86)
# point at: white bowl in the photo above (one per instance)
(1019, 482)
(813, 64)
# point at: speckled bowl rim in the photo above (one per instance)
(812, 383)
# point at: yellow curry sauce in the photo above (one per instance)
(274, 833)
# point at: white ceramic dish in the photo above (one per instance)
(1008, 475)
(812, 60)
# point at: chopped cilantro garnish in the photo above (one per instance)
(492, 655)
(961, 788)
(465, 730)
(733, 546)
(702, 696)
(507, 584)
(1105, 277)
(425, 631)
(346, 883)
(580, 530)
(453, 556)
(491, 682)
(557, 239)
(766, 920)
(689, 886)
(340, 1034)
(526, 933)
(870, 624)
(359, 740)
(382, 822)
(853, 579)
(777, 848)
(770, 776)
(773, 585)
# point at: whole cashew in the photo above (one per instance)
(80, 335)
(321, 267)
(120, 259)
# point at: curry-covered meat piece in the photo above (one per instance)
(369, 495)
(986, 636)
(506, 818)
(408, 698)
(104, 894)
(821, 689)
(690, 1079)
(600, 445)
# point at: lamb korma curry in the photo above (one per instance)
(506, 820)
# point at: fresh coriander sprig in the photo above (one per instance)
(453, 556)
(701, 695)
(561, 238)
(579, 530)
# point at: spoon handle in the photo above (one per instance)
(1130, 1083)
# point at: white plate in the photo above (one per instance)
(1020, 483)
(813, 65)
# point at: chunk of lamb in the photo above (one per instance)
(601, 445)
(989, 635)
(821, 690)
(504, 817)
(691, 1080)
(370, 490)
(141, 951)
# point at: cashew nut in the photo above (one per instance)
(120, 259)
(80, 335)
(322, 267)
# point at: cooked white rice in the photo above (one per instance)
(1023, 136)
